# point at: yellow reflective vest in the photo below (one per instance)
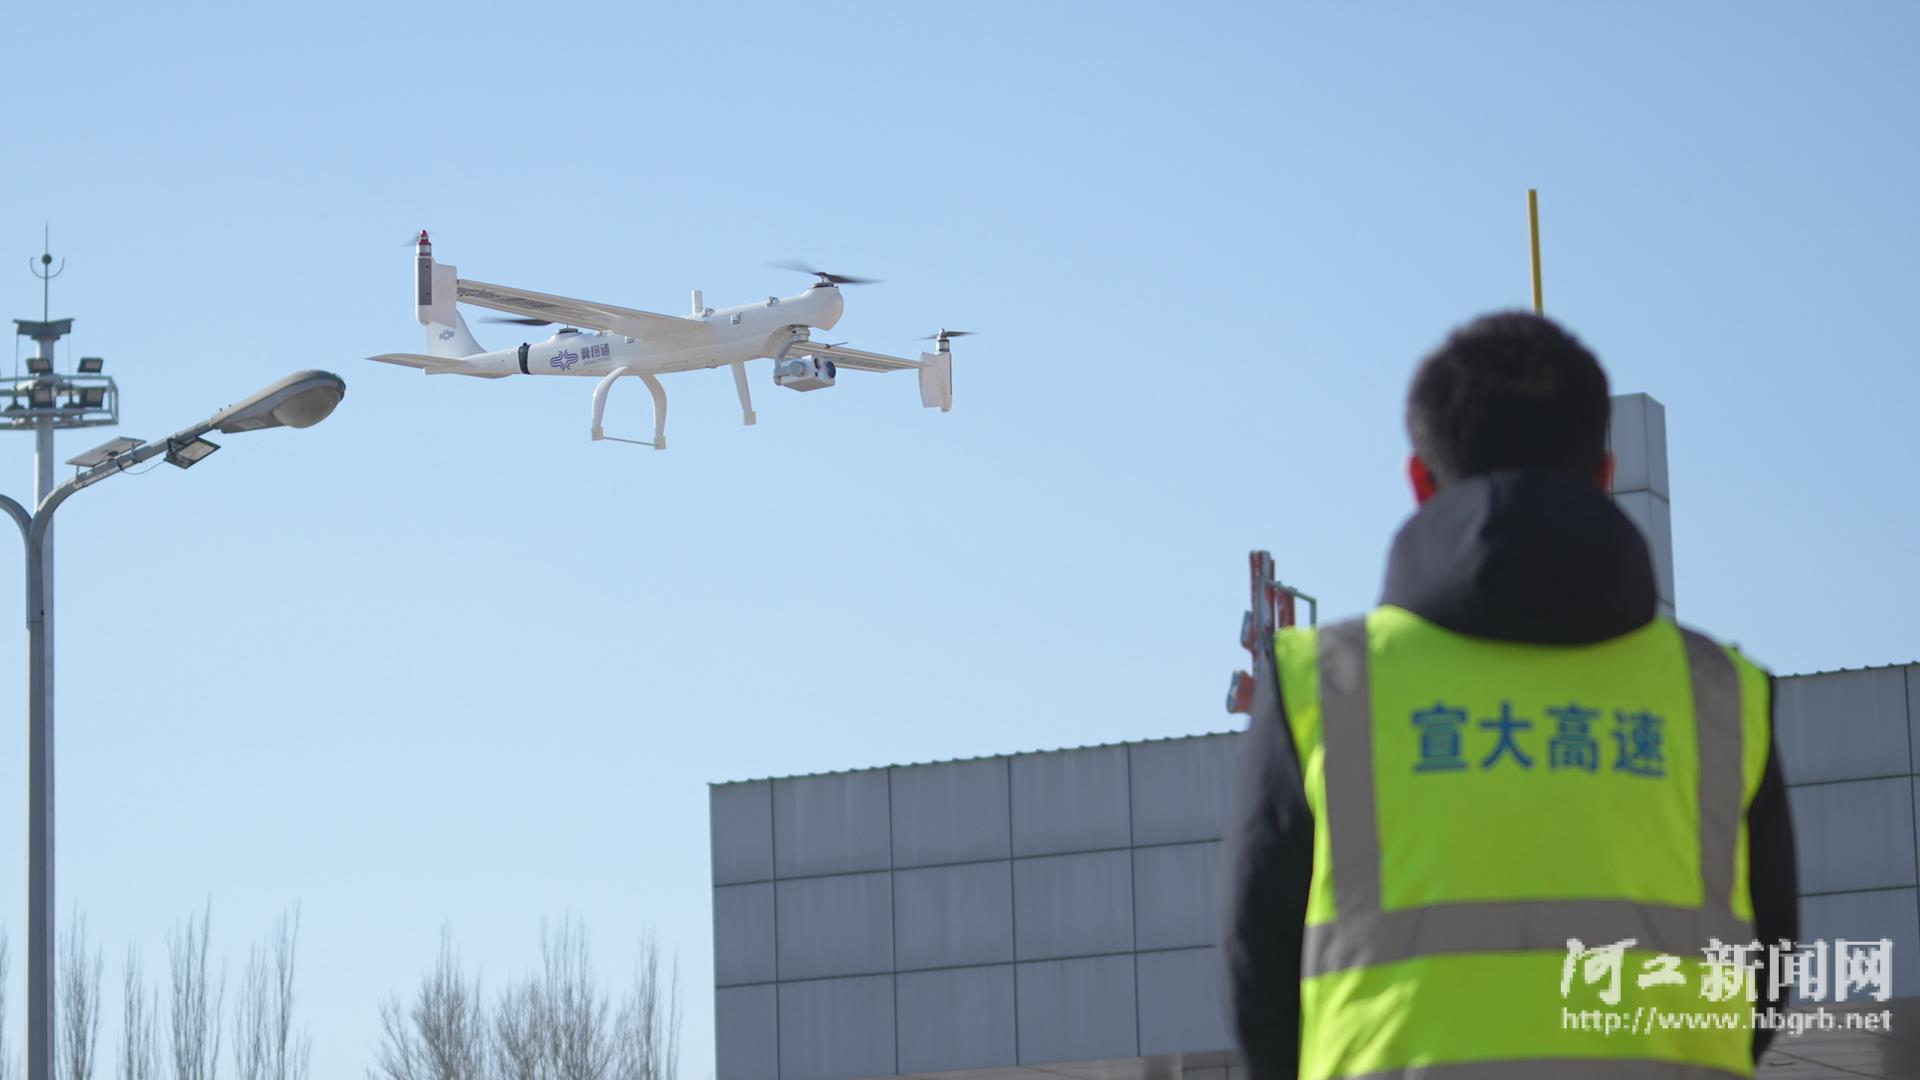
(1489, 816)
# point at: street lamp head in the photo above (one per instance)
(92, 365)
(40, 365)
(302, 399)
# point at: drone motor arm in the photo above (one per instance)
(935, 368)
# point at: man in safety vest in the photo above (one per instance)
(1511, 823)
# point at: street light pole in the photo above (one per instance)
(40, 909)
(299, 400)
(40, 776)
(91, 400)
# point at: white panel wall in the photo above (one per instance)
(1077, 1010)
(836, 1028)
(1637, 436)
(950, 916)
(1073, 905)
(958, 1019)
(831, 824)
(1070, 800)
(1845, 725)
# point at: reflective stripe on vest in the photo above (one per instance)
(1363, 935)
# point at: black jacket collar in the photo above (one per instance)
(1523, 555)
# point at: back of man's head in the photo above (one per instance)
(1505, 391)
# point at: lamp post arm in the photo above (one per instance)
(296, 392)
(43, 518)
(23, 519)
(18, 513)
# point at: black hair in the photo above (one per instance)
(1511, 390)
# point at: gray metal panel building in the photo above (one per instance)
(929, 919)
(1056, 911)
(1850, 741)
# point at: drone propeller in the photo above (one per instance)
(516, 320)
(825, 278)
(945, 333)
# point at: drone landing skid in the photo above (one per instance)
(659, 408)
(740, 387)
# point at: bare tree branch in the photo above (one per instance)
(139, 1020)
(195, 1004)
(520, 1033)
(444, 1036)
(248, 1038)
(78, 994)
(292, 1054)
(647, 1027)
(555, 1024)
(580, 1046)
(264, 1044)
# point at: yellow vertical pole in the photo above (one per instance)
(1533, 226)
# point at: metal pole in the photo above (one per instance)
(1533, 230)
(40, 775)
(89, 395)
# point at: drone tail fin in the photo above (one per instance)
(437, 287)
(448, 336)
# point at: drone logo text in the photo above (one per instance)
(564, 360)
(447, 334)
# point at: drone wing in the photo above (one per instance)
(857, 359)
(628, 322)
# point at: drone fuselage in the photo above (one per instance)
(726, 336)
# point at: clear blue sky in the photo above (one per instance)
(442, 659)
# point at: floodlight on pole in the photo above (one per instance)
(188, 454)
(86, 398)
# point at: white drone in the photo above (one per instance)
(608, 342)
